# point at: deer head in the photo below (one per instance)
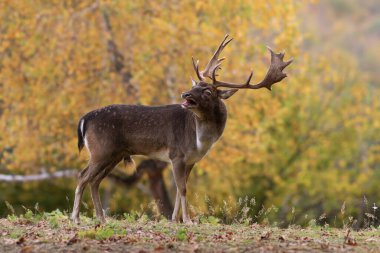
(204, 94)
(203, 98)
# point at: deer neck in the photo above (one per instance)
(209, 129)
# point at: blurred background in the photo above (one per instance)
(307, 151)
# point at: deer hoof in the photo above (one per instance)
(76, 221)
(188, 222)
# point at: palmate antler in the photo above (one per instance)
(274, 74)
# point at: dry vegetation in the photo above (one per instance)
(53, 232)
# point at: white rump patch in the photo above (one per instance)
(81, 127)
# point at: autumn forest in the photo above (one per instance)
(307, 151)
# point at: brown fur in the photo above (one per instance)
(181, 136)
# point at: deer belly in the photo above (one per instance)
(162, 155)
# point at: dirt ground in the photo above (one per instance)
(56, 233)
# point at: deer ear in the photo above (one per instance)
(225, 94)
(193, 82)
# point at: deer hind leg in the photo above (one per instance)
(84, 178)
(94, 187)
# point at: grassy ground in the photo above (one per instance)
(53, 232)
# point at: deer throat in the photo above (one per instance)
(206, 136)
(204, 143)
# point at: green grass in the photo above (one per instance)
(98, 234)
(54, 232)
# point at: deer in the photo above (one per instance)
(180, 134)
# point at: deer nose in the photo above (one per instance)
(185, 95)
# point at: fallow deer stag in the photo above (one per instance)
(180, 134)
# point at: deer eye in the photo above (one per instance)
(207, 92)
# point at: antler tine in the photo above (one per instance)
(196, 68)
(274, 74)
(214, 81)
(249, 78)
(214, 63)
(214, 75)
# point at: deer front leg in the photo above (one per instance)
(181, 172)
(176, 206)
(185, 216)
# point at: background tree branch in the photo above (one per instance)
(153, 168)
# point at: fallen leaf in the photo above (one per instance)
(194, 248)
(8, 241)
(265, 235)
(26, 249)
(73, 240)
(159, 248)
(351, 241)
(324, 244)
(20, 241)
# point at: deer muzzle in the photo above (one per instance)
(189, 101)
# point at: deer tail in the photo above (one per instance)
(81, 133)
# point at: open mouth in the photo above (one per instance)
(189, 103)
